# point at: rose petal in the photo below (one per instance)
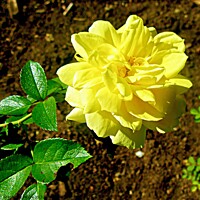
(106, 31)
(127, 120)
(124, 89)
(73, 97)
(134, 31)
(108, 101)
(87, 78)
(170, 38)
(180, 84)
(145, 95)
(130, 139)
(76, 115)
(102, 123)
(143, 110)
(84, 43)
(66, 73)
(171, 119)
(110, 78)
(89, 101)
(173, 63)
(164, 97)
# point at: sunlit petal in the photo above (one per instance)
(92, 105)
(66, 73)
(84, 43)
(106, 31)
(76, 115)
(173, 63)
(86, 78)
(143, 110)
(73, 97)
(170, 120)
(170, 38)
(108, 101)
(102, 123)
(130, 139)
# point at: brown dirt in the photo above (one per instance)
(156, 176)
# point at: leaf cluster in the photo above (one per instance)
(196, 113)
(46, 157)
(192, 172)
(43, 106)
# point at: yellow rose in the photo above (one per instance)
(126, 80)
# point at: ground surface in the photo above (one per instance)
(41, 32)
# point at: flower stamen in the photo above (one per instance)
(136, 62)
(123, 71)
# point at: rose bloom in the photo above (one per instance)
(126, 80)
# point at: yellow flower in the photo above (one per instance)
(126, 80)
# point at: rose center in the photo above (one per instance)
(136, 62)
(122, 71)
(131, 68)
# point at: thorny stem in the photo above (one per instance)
(17, 121)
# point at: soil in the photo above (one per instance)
(41, 32)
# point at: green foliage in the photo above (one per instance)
(14, 171)
(14, 105)
(192, 172)
(47, 156)
(33, 80)
(34, 83)
(44, 114)
(196, 113)
(11, 146)
(33, 192)
(50, 155)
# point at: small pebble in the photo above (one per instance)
(139, 154)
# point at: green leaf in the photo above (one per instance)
(49, 155)
(34, 192)
(192, 160)
(198, 177)
(197, 120)
(14, 105)
(184, 171)
(190, 168)
(193, 188)
(193, 178)
(4, 130)
(32, 100)
(194, 182)
(197, 116)
(198, 168)
(59, 97)
(57, 80)
(41, 188)
(44, 114)
(33, 80)
(189, 177)
(193, 111)
(53, 86)
(198, 160)
(184, 176)
(11, 146)
(14, 171)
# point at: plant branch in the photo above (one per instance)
(17, 121)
